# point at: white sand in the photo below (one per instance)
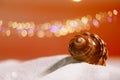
(47, 69)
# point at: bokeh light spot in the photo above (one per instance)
(24, 33)
(109, 19)
(95, 23)
(84, 20)
(110, 13)
(98, 17)
(53, 29)
(8, 32)
(1, 22)
(40, 34)
(115, 12)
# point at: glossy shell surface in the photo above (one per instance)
(88, 48)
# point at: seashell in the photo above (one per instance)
(88, 48)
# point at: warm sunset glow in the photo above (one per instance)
(36, 28)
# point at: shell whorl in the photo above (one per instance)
(89, 48)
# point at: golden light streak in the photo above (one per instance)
(77, 0)
(56, 28)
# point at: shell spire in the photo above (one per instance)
(88, 48)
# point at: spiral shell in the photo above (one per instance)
(89, 48)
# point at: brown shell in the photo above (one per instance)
(89, 48)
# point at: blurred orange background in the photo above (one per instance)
(41, 11)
